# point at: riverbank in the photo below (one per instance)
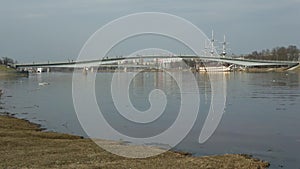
(8, 71)
(25, 145)
(297, 68)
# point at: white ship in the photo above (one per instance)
(215, 68)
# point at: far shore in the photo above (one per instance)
(25, 145)
(246, 70)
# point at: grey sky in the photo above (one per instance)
(35, 30)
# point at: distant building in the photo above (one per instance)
(169, 60)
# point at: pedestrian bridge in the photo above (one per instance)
(114, 61)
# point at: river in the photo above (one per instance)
(261, 115)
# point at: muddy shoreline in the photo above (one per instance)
(26, 145)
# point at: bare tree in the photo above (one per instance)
(7, 61)
(278, 53)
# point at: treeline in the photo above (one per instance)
(290, 53)
(7, 61)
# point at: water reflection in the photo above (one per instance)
(140, 88)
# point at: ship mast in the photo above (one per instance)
(212, 43)
(224, 43)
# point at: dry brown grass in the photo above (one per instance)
(24, 145)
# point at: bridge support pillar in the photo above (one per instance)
(85, 70)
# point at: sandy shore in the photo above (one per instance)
(25, 145)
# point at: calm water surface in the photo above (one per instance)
(262, 114)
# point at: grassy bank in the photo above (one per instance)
(24, 145)
(5, 69)
(8, 71)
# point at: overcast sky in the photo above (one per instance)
(35, 30)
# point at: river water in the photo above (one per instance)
(261, 115)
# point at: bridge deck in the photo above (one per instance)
(90, 63)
